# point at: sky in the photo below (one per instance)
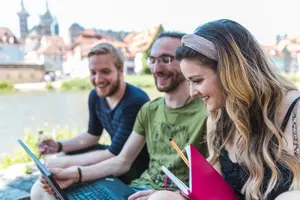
(264, 18)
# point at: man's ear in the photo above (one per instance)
(121, 70)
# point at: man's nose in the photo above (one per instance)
(98, 78)
(156, 67)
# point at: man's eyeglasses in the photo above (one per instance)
(162, 59)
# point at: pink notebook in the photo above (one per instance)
(205, 183)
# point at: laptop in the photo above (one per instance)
(102, 189)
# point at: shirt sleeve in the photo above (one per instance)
(94, 125)
(139, 125)
(125, 126)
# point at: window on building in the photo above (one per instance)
(11, 40)
(4, 39)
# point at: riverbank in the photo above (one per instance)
(30, 87)
(145, 82)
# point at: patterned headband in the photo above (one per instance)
(201, 45)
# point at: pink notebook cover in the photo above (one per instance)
(206, 183)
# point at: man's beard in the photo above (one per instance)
(176, 79)
(115, 86)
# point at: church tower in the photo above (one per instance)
(23, 15)
(55, 27)
(46, 21)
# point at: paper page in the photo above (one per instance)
(176, 181)
(188, 152)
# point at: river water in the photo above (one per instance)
(40, 110)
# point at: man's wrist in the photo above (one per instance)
(79, 175)
(59, 147)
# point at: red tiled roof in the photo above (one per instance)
(132, 43)
(52, 45)
(129, 37)
(294, 48)
(90, 38)
(270, 50)
(291, 43)
(141, 41)
(86, 47)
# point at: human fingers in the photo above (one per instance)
(141, 195)
(65, 183)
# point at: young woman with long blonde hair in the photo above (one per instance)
(252, 136)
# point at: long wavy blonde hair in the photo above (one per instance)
(253, 92)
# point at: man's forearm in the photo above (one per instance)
(82, 141)
(115, 166)
(89, 158)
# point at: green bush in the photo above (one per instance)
(77, 84)
(30, 139)
(49, 86)
(6, 86)
(143, 81)
(291, 77)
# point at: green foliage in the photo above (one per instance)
(77, 84)
(49, 86)
(6, 86)
(292, 77)
(146, 69)
(30, 139)
(143, 81)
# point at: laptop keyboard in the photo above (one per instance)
(91, 191)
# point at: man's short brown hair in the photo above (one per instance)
(106, 48)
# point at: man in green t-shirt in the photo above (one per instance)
(175, 115)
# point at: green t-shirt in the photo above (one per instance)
(158, 123)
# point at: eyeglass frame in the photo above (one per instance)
(160, 60)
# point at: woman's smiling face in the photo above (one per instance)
(204, 83)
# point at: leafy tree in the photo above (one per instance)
(146, 69)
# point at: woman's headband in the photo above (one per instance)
(201, 45)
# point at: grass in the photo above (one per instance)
(49, 86)
(6, 86)
(145, 82)
(30, 138)
(292, 77)
(76, 84)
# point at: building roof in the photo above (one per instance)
(141, 41)
(292, 44)
(7, 37)
(86, 37)
(133, 43)
(53, 45)
(75, 26)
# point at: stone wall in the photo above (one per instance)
(22, 73)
